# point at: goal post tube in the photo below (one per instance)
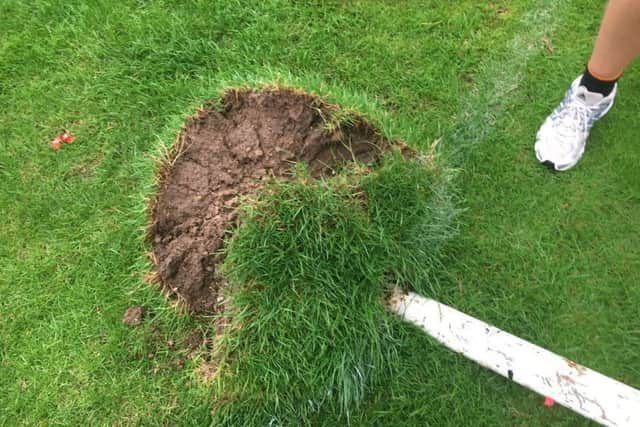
(587, 392)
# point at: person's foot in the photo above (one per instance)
(562, 137)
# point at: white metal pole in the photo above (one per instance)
(587, 392)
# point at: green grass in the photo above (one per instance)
(550, 257)
(309, 270)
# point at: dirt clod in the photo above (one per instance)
(133, 316)
(194, 340)
(221, 156)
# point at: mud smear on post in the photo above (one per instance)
(222, 155)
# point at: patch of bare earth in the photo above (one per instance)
(133, 316)
(221, 156)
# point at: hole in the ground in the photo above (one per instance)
(223, 155)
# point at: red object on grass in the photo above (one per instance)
(66, 138)
(55, 144)
(549, 401)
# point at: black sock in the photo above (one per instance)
(594, 84)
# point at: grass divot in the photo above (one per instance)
(225, 153)
(308, 272)
(313, 216)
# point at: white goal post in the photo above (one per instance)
(587, 392)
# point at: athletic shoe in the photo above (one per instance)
(562, 137)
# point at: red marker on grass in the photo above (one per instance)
(56, 144)
(66, 138)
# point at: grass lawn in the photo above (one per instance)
(552, 258)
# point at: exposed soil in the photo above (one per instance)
(133, 316)
(223, 155)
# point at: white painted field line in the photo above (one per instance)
(500, 78)
(587, 392)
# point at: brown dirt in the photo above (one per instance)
(221, 156)
(133, 316)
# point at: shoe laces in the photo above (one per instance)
(573, 118)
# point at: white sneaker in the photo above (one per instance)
(562, 137)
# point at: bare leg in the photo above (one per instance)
(618, 41)
(561, 140)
